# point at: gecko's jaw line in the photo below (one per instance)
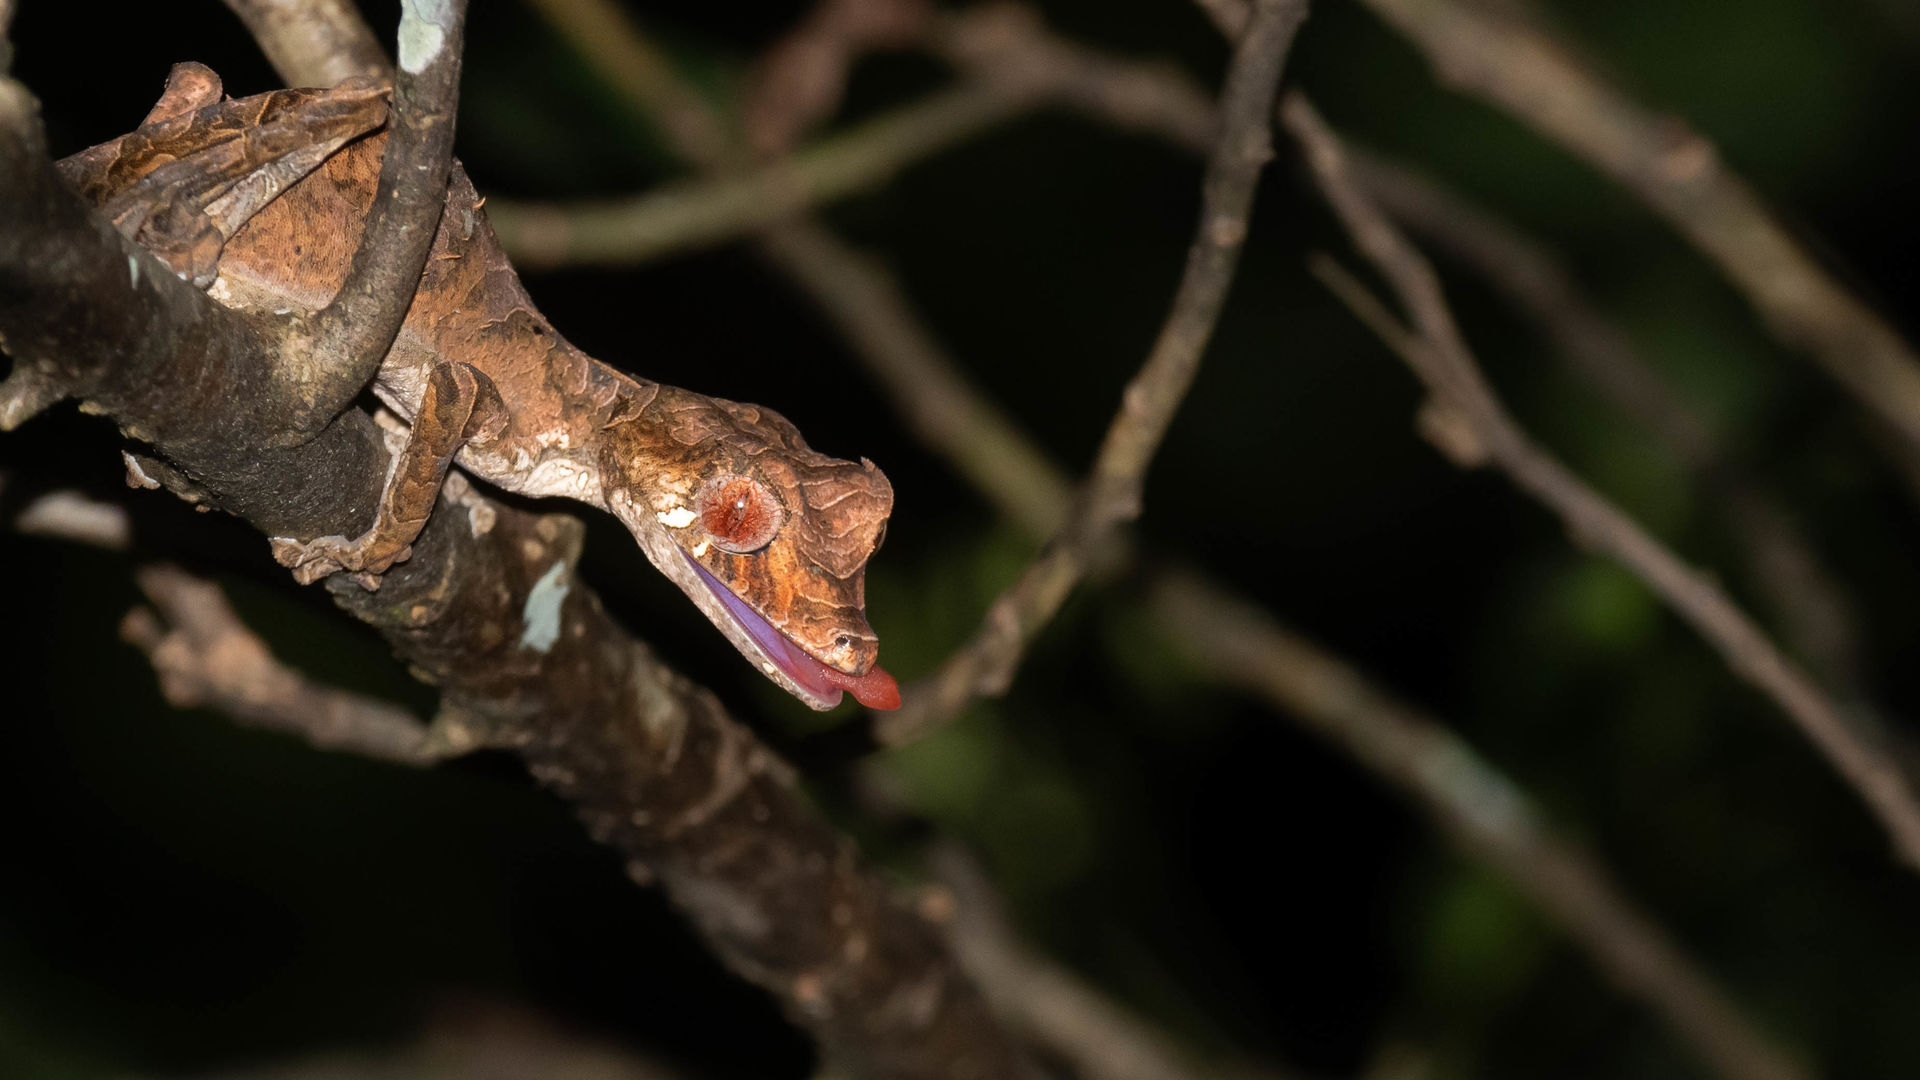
(814, 682)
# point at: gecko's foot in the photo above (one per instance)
(365, 558)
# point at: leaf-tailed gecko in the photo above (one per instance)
(262, 200)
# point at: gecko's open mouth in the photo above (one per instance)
(876, 689)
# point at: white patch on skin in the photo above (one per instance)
(552, 477)
(700, 549)
(423, 30)
(542, 612)
(678, 518)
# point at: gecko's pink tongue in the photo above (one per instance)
(876, 689)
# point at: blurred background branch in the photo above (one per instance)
(1465, 419)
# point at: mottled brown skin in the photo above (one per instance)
(264, 199)
(811, 576)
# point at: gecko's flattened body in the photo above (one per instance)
(270, 220)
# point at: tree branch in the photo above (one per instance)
(205, 656)
(1111, 494)
(937, 403)
(340, 347)
(1483, 811)
(613, 46)
(1012, 65)
(1467, 418)
(692, 214)
(1678, 173)
(1804, 593)
(799, 80)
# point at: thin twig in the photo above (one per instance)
(691, 214)
(205, 656)
(1008, 44)
(342, 345)
(1517, 67)
(799, 80)
(6, 41)
(1477, 805)
(1808, 599)
(1478, 426)
(1111, 494)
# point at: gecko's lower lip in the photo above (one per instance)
(876, 689)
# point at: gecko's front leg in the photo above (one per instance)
(459, 405)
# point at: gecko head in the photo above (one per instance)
(768, 537)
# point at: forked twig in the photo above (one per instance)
(1466, 417)
(205, 656)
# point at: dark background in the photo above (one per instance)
(178, 895)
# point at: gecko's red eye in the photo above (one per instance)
(739, 513)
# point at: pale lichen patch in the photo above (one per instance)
(423, 30)
(542, 611)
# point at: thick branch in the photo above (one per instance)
(1679, 173)
(1111, 494)
(1470, 419)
